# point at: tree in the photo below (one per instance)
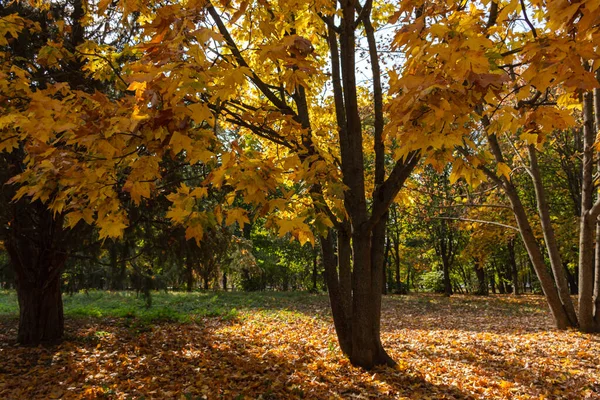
(535, 78)
(194, 74)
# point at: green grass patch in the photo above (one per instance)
(171, 306)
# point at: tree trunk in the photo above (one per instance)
(572, 279)
(225, 281)
(514, 270)
(40, 312)
(550, 238)
(397, 264)
(596, 295)
(559, 313)
(447, 282)
(34, 245)
(384, 287)
(315, 272)
(367, 350)
(482, 287)
(587, 227)
(189, 273)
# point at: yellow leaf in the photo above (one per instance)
(201, 113)
(111, 228)
(195, 232)
(180, 142)
(529, 138)
(504, 170)
(238, 215)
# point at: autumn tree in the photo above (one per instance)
(536, 75)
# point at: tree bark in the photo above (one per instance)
(549, 237)
(38, 259)
(596, 295)
(587, 227)
(189, 272)
(41, 317)
(557, 308)
(514, 270)
(482, 287)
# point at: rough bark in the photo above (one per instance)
(37, 256)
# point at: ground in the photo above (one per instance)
(280, 346)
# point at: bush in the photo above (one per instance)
(432, 281)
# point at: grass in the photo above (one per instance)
(170, 306)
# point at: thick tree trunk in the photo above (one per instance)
(36, 257)
(367, 350)
(339, 308)
(40, 312)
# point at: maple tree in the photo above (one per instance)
(506, 93)
(188, 76)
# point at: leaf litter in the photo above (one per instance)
(499, 347)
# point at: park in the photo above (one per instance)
(299, 199)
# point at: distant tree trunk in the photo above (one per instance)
(397, 263)
(225, 281)
(492, 279)
(315, 271)
(447, 282)
(384, 288)
(572, 278)
(114, 266)
(408, 272)
(189, 272)
(513, 266)
(482, 287)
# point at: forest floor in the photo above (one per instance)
(283, 345)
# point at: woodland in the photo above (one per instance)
(314, 199)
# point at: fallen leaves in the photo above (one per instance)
(457, 348)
